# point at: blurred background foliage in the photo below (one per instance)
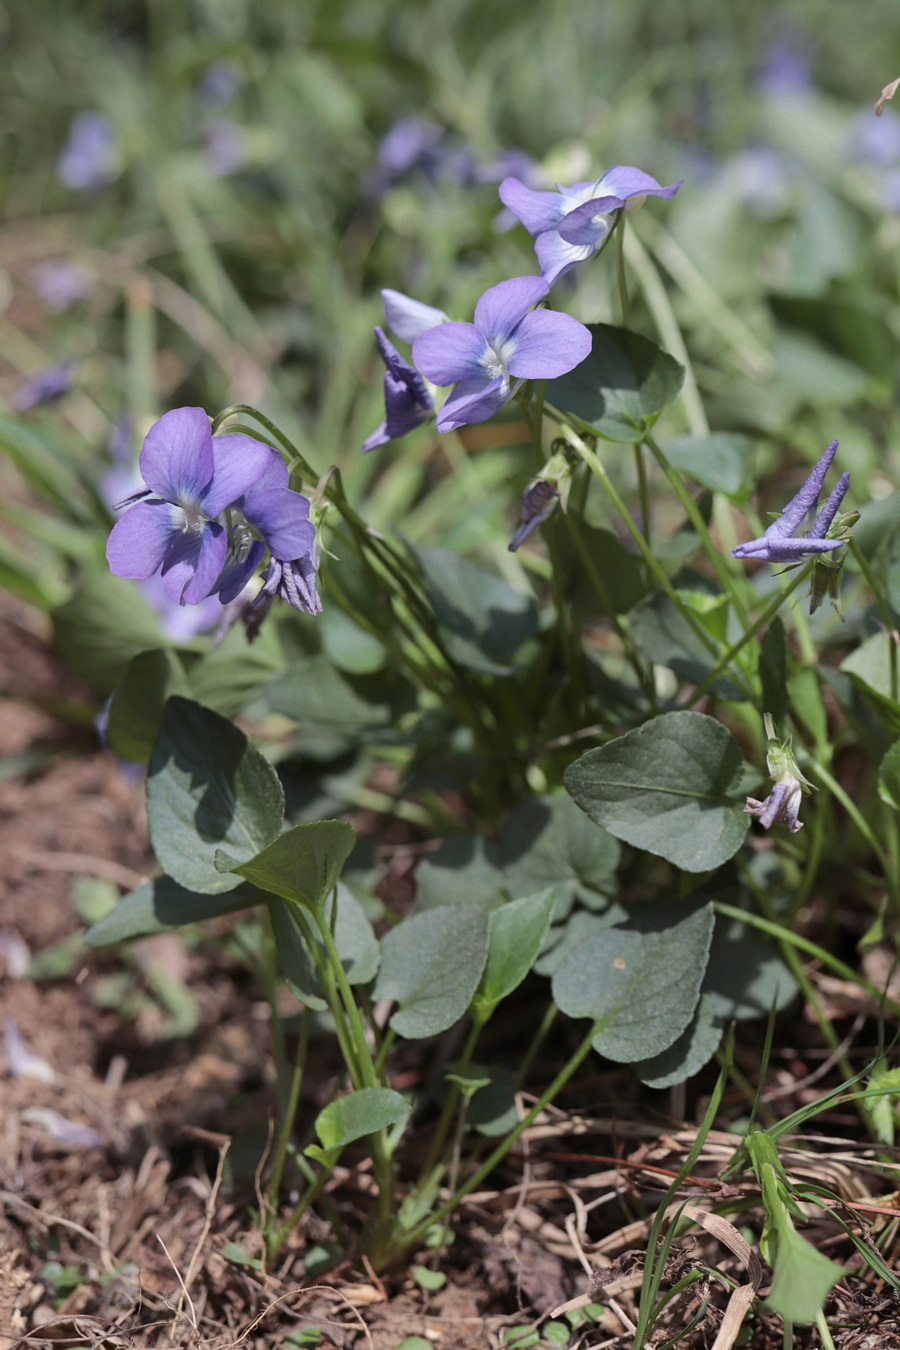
(202, 200)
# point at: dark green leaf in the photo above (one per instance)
(688, 1053)
(302, 865)
(492, 1110)
(481, 619)
(665, 636)
(105, 623)
(642, 986)
(136, 712)
(356, 944)
(349, 646)
(773, 670)
(547, 840)
(463, 871)
(620, 390)
(667, 787)
(227, 676)
(207, 788)
(517, 933)
(162, 904)
(354, 1116)
(431, 964)
(720, 461)
(870, 668)
(889, 777)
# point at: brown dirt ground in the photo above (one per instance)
(138, 1224)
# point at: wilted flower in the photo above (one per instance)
(780, 544)
(407, 402)
(538, 504)
(574, 223)
(171, 525)
(294, 582)
(89, 159)
(43, 386)
(505, 343)
(783, 802)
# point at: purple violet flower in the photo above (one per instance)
(407, 402)
(89, 159)
(538, 504)
(573, 224)
(293, 581)
(42, 387)
(408, 318)
(782, 804)
(220, 81)
(225, 146)
(505, 343)
(60, 282)
(270, 515)
(780, 544)
(171, 525)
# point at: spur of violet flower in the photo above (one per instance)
(573, 224)
(407, 402)
(171, 526)
(538, 504)
(780, 543)
(505, 343)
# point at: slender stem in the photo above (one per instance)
(768, 613)
(861, 824)
(442, 1129)
(269, 969)
(289, 1115)
(620, 269)
(309, 1197)
(643, 490)
(415, 1234)
(551, 1012)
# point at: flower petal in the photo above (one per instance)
(282, 518)
(449, 353)
(177, 456)
(807, 499)
(830, 509)
(503, 306)
(557, 257)
(239, 463)
(548, 344)
(624, 181)
(236, 573)
(194, 562)
(472, 401)
(139, 541)
(538, 211)
(378, 437)
(590, 222)
(409, 318)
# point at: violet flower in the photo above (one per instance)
(171, 525)
(89, 159)
(783, 802)
(780, 543)
(538, 504)
(293, 581)
(505, 343)
(573, 224)
(270, 515)
(407, 318)
(407, 402)
(60, 283)
(42, 387)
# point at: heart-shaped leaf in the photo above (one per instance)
(431, 964)
(302, 865)
(353, 1117)
(621, 388)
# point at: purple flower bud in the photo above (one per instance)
(43, 386)
(89, 159)
(538, 504)
(780, 544)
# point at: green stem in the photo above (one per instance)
(862, 825)
(442, 1129)
(767, 615)
(551, 1012)
(269, 969)
(415, 1234)
(643, 490)
(289, 1115)
(621, 278)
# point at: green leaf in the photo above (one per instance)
(642, 985)
(667, 787)
(302, 865)
(102, 626)
(227, 676)
(720, 462)
(664, 635)
(236, 1254)
(548, 840)
(463, 871)
(746, 975)
(482, 621)
(208, 787)
(688, 1053)
(492, 1110)
(869, 667)
(354, 938)
(136, 712)
(621, 388)
(431, 964)
(162, 904)
(804, 1277)
(517, 933)
(773, 670)
(353, 1117)
(889, 777)
(429, 1279)
(349, 646)
(314, 693)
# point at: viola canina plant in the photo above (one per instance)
(595, 683)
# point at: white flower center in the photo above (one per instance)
(497, 355)
(188, 517)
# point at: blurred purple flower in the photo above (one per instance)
(505, 343)
(171, 525)
(407, 402)
(89, 159)
(220, 81)
(225, 146)
(876, 140)
(764, 178)
(780, 544)
(60, 282)
(43, 386)
(538, 504)
(573, 224)
(786, 69)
